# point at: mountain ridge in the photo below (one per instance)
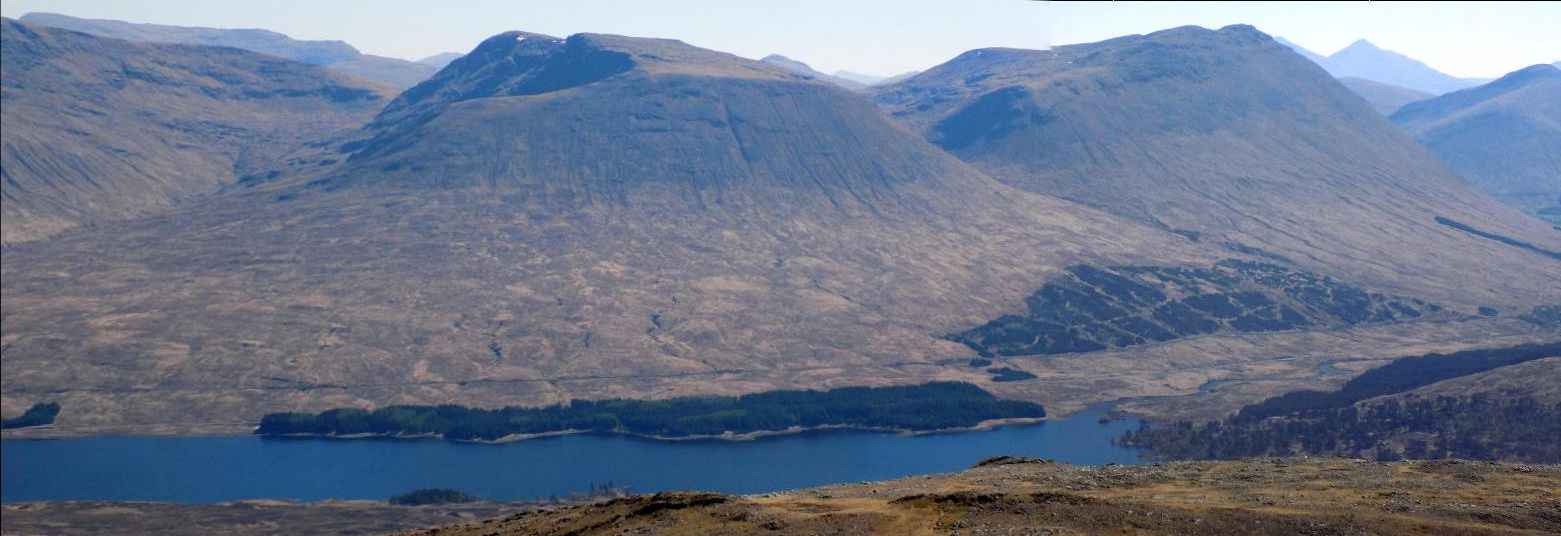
(337, 55)
(1503, 136)
(101, 129)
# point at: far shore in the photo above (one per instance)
(729, 436)
(235, 429)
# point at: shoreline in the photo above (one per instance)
(49, 432)
(982, 426)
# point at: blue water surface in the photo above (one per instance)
(224, 468)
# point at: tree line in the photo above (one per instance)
(1344, 422)
(930, 406)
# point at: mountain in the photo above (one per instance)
(548, 219)
(1385, 98)
(438, 61)
(1304, 52)
(864, 79)
(802, 69)
(100, 129)
(1364, 60)
(1504, 136)
(873, 80)
(1231, 138)
(336, 54)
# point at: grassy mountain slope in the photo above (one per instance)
(100, 129)
(1504, 137)
(1232, 138)
(340, 56)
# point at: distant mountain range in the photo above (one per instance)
(335, 54)
(101, 129)
(1366, 61)
(799, 68)
(1504, 136)
(438, 61)
(845, 79)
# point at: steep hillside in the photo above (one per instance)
(340, 56)
(100, 129)
(549, 219)
(1007, 495)
(1384, 97)
(1504, 137)
(1233, 140)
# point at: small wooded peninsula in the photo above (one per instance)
(916, 408)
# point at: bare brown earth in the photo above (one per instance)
(1317, 496)
(236, 518)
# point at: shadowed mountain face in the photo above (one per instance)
(1504, 137)
(1230, 137)
(340, 56)
(1384, 97)
(99, 129)
(611, 216)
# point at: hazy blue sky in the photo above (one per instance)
(872, 36)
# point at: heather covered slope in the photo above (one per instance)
(1504, 137)
(1232, 138)
(99, 129)
(340, 56)
(554, 218)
